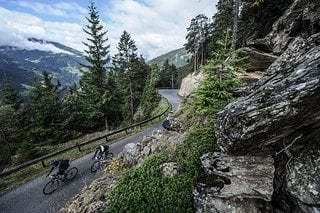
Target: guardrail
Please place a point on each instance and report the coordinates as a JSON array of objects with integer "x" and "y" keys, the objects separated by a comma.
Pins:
[{"x": 78, "y": 145}]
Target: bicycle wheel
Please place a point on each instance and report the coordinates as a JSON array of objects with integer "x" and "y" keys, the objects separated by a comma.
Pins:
[
  {"x": 50, "y": 187},
  {"x": 96, "y": 166},
  {"x": 71, "y": 173}
]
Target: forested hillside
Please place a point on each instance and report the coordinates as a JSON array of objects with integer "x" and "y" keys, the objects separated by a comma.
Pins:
[{"x": 18, "y": 64}]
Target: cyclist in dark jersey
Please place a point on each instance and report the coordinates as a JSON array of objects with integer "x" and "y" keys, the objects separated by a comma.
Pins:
[
  {"x": 100, "y": 151},
  {"x": 62, "y": 166}
]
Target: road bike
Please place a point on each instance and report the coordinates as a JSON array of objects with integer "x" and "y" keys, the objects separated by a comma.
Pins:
[
  {"x": 101, "y": 162},
  {"x": 53, "y": 184}
]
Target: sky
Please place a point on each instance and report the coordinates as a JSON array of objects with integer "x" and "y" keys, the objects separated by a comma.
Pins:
[{"x": 156, "y": 26}]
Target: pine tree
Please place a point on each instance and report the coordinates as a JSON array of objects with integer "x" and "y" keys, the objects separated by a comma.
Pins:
[
  {"x": 150, "y": 96},
  {"x": 197, "y": 39},
  {"x": 218, "y": 88},
  {"x": 11, "y": 118},
  {"x": 168, "y": 75},
  {"x": 44, "y": 111},
  {"x": 131, "y": 72},
  {"x": 94, "y": 93},
  {"x": 221, "y": 22}
]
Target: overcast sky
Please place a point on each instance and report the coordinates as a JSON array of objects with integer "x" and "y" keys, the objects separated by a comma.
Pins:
[{"x": 157, "y": 26}]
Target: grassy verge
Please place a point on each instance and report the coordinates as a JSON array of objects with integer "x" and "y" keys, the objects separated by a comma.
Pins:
[{"x": 25, "y": 175}]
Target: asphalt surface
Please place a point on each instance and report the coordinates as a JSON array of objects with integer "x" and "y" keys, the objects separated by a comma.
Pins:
[{"x": 29, "y": 198}]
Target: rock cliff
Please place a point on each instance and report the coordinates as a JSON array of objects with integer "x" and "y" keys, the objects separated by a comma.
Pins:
[{"x": 280, "y": 116}]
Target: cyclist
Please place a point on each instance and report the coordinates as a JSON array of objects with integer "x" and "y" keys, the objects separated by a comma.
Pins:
[
  {"x": 101, "y": 151},
  {"x": 61, "y": 165}
]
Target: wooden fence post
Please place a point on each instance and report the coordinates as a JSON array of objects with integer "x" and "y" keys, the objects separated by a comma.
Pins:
[
  {"x": 43, "y": 164},
  {"x": 79, "y": 148}
]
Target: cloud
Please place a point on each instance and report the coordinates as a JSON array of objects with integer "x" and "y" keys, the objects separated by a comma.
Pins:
[
  {"x": 60, "y": 9},
  {"x": 157, "y": 26},
  {"x": 15, "y": 32}
]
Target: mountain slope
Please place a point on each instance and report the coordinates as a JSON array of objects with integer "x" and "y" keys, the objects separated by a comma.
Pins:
[
  {"x": 178, "y": 57},
  {"x": 18, "y": 64}
]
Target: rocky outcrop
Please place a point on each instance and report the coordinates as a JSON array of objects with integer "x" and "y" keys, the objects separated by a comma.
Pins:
[
  {"x": 301, "y": 19},
  {"x": 190, "y": 83},
  {"x": 281, "y": 117},
  {"x": 242, "y": 183},
  {"x": 93, "y": 199},
  {"x": 284, "y": 103},
  {"x": 134, "y": 154},
  {"x": 303, "y": 180},
  {"x": 257, "y": 60}
]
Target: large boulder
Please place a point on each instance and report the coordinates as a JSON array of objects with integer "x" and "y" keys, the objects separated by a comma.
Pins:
[
  {"x": 130, "y": 154},
  {"x": 283, "y": 104},
  {"x": 242, "y": 183},
  {"x": 190, "y": 83}
]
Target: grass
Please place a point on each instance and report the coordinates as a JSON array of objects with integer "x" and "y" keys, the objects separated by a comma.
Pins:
[{"x": 25, "y": 175}]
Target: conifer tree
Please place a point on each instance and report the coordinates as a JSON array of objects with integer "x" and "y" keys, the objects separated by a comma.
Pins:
[
  {"x": 44, "y": 111},
  {"x": 197, "y": 39},
  {"x": 150, "y": 96},
  {"x": 218, "y": 88},
  {"x": 11, "y": 117},
  {"x": 93, "y": 82},
  {"x": 131, "y": 72}
]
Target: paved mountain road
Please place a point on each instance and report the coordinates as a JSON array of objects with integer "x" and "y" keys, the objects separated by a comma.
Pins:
[{"x": 29, "y": 198}]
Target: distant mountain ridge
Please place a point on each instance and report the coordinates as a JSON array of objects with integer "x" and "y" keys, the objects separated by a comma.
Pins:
[
  {"x": 178, "y": 57},
  {"x": 17, "y": 64}
]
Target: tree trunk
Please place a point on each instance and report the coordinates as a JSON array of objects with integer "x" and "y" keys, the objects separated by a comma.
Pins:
[
  {"x": 131, "y": 98},
  {"x": 6, "y": 139},
  {"x": 235, "y": 23}
]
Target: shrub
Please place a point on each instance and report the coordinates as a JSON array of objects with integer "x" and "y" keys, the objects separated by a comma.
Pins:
[{"x": 144, "y": 189}]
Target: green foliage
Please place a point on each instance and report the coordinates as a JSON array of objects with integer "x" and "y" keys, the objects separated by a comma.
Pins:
[
  {"x": 218, "y": 88},
  {"x": 94, "y": 94},
  {"x": 130, "y": 73},
  {"x": 145, "y": 190},
  {"x": 44, "y": 112},
  {"x": 28, "y": 151},
  {"x": 221, "y": 21},
  {"x": 150, "y": 96},
  {"x": 198, "y": 39},
  {"x": 168, "y": 75}
]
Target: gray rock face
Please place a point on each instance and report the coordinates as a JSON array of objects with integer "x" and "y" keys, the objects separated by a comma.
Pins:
[
  {"x": 301, "y": 19},
  {"x": 303, "y": 179},
  {"x": 246, "y": 182},
  {"x": 284, "y": 103},
  {"x": 258, "y": 60},
  {"x": 130, "y": 154},
  {"x": 190, "y": 83},
  {"x": 248, "y": 176}
]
